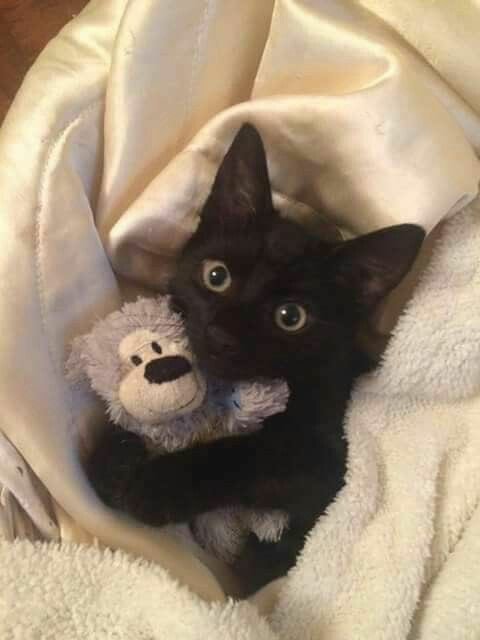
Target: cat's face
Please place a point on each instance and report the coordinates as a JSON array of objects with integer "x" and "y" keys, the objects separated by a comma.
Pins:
[{"x": 261, "y": 297}]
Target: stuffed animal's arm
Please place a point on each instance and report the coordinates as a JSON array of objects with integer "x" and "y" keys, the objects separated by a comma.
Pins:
[
  {"x": 223, "y": 532},
  {"x": 250, "y": 403}
]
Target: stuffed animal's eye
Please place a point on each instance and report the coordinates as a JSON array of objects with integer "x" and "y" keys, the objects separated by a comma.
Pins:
[
  {"x": 156, "y": 347},
  {"x": 216, "y": 275},
  {"x": 290, "y": 317},
  {"x": 136, "y": 360}
]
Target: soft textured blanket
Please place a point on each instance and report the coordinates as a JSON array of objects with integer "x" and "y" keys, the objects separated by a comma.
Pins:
[
  {"x": 83, "y": 593},
  {"x": 105, "y": 157},
  {"x": 398, "y": 554}
]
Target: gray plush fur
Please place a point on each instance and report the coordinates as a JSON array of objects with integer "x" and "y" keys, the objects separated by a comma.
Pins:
[
  {"x": 94, "y": 357},
  {"x": 102, "y": 359}
]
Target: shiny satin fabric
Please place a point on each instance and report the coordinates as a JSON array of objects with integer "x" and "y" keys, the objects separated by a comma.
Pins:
[{"x": 110, "y": 148}]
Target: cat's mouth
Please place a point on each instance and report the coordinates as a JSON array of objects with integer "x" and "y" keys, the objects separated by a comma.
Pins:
[
  {"x": 217, "y": 366},
  {"x": 233, "y": 369},
  {"x": 237, "y": 366}
]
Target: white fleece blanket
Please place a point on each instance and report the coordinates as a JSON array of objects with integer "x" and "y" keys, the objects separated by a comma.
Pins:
[
  {"x": 105, "y": 159},
  {"x": 82, "y": 593},
  {"x": 398, "y": 554}
]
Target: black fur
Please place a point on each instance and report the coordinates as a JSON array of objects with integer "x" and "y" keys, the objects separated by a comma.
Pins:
[{"x": 297, "y": 461}]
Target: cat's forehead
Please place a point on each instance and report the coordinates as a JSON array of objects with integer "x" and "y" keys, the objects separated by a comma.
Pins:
[
  {"x": 226, "y": 242},
  {"x": 264, "y": 261},
  {"x": 286, "y": 242},
  {"x": 281, "y": 243},
  {"x": 302, "y": 276}
]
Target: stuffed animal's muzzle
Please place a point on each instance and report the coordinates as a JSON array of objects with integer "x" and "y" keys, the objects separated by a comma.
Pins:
[{"x": 161, "y": 380}]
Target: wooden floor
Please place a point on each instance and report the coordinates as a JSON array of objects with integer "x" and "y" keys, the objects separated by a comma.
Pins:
[{"x": 25, "y": 28}]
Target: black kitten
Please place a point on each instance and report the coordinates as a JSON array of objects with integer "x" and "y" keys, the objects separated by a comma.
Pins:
[{"x": 261, "y": 297}]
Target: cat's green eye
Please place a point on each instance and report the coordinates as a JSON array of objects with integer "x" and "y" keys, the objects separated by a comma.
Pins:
[
  {"x": 290, "y": 317},
  {"x": 216, "y": 276}
]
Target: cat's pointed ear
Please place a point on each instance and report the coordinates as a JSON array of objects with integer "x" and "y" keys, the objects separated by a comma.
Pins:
[
  {"x": 369, "y": 267},
  {"x": 241, "y": 187}
]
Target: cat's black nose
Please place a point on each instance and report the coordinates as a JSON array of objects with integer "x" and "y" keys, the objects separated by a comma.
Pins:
[
  {"x": 166, "y": 369},
  {"x": 220, "y": 341}
]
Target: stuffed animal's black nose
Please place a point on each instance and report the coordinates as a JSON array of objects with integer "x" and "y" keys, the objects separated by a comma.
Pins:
[
  {"x": 166, "y": 369},
  {"x": 221, "y": 341}
]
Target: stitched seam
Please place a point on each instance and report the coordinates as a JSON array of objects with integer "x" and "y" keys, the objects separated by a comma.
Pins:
[{"x": 38, "y": 261}]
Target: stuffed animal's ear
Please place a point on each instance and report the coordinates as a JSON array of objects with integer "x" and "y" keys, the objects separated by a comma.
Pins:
[
  {"x": 76, "y": 366},
  {"x": 241, "y": 188},
  {"x": 370, "y": 266}
]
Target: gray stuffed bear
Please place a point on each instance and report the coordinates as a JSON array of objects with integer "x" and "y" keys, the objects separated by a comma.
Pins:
[{"x": 139, "y": 361}]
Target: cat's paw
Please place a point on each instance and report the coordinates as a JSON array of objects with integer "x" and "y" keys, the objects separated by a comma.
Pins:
[
  {"x": 161, "y": 490},
  {"x": 113, "y": 464}
]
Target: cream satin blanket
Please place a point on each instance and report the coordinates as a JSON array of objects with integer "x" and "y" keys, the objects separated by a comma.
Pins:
[{"x": 370, "y": 112}]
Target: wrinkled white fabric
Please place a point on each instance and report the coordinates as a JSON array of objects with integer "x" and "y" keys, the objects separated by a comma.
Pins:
[
  {"x": 19, "y": 495},
  {"x": 108, "y": 153}
]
